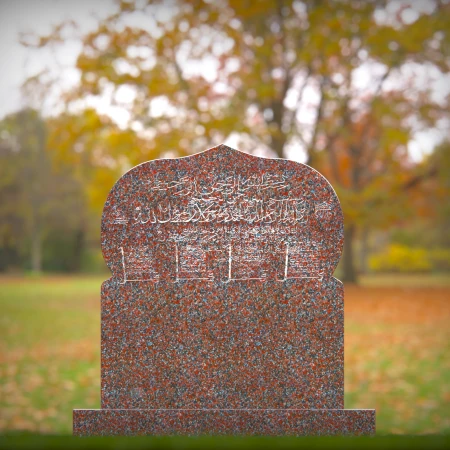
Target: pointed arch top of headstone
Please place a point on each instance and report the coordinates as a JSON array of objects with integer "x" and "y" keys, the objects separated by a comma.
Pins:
[{"x": 273, "y": 218}]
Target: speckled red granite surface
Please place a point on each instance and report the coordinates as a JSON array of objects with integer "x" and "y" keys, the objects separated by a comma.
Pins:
[
  {"x": 297, "y": 422},
  {"x": 222, "y": 315}
]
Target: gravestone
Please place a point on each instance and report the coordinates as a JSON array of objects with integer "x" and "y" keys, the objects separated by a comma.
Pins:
[{"x": 222, "y": 315}]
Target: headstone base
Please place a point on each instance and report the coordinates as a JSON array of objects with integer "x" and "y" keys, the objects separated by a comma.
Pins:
[{"x": 275, "y": 422}]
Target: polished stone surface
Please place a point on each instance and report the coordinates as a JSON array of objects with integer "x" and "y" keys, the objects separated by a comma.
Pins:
[
  {"x": 222, "y": 299},
  {"x": 244, "y": 345},
  {"x": 282, "y": 422}
]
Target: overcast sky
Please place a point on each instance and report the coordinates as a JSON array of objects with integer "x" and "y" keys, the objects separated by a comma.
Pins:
[{"x": 39, "y": 16}]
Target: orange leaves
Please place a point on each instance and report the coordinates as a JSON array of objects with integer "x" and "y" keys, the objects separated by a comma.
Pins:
[
  {"x": 395, "y": 305},
  {"x": 396, "y": 353}
]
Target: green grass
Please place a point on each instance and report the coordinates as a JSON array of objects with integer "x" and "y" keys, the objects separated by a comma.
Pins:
[
  {"x": 50, "y": 338},
  {"x": 46, "y": 310},
  {"x": 406, "y": 280},
  {"x": 396, "y": 347},
  {"x": 208, "y": 442}
]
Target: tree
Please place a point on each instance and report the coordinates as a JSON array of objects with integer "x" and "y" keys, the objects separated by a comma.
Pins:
[
  {"x": 433, "y": 199},
  {"x": 276, "y": 73},
  {"x": 37, "y": 199},
  {"x": 97, "y": 151},
  {"x": 373, "y": 176}
]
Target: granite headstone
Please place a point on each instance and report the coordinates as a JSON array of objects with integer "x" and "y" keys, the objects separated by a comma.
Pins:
[{"x": 222, "y": 315}]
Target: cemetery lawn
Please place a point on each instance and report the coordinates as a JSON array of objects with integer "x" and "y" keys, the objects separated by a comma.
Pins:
[{"x": 397, "y": 352}]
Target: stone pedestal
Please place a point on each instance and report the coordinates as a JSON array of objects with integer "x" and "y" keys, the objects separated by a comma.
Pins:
[{"x": 275, "y": 422}]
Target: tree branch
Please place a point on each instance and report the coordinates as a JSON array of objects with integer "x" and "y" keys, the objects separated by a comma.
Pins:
[
  {"x": 320, "y": 107},
  {"x": 416, "y": 180},
  {"x": 378, "y": 89}
]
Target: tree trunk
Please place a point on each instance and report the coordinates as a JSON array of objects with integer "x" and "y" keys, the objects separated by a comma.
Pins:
[
  {"x": 36, "y": 250},
  {"x": 277, "y": 145},
  {"x": 364, "y": 251},
  {"x": 349, "y": 275},
  {"x": 77, "y": 256},
  {"x": 278, "y": 137}
]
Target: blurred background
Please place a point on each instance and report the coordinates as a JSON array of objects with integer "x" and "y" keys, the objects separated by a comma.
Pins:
[{"x": 358, "y": 90}]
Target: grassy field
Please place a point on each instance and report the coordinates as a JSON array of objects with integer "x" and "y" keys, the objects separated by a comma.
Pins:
[{"x": 397, "y": 352}]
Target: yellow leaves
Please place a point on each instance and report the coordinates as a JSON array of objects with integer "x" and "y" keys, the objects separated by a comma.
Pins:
[
  {"x": 99, "y": 186},
  {"x": 353, "y": 205},
  {"x": 97, "y": 150},
  {"x": 401, "y": 258},
  {"x": 127, "y": 6},
  {"x": 393, "y": 137},
  {"x": 251, "y": 9},
  {"x": 86, "y": 64}
]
